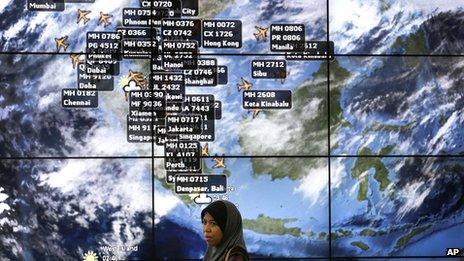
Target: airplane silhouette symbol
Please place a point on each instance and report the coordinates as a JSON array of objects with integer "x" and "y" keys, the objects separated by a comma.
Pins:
[
  {"x": 75, "y": 59},
  {"x": 82, "y": 16},
  {"x": 244, "y": 85},
  {"x": 261, "y": 33},
  {"x": 104, "y": 19},
  {"x": 61, "y": 43}
]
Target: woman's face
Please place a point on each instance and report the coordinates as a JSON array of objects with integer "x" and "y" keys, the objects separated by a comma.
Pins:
[{"x": 211, "y": 230}]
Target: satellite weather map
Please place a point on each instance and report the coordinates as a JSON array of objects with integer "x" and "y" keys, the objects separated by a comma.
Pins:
[{"x": 334, "y": 128}]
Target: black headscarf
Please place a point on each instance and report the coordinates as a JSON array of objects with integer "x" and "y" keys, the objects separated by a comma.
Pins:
[{"x": 229, "y": 220}]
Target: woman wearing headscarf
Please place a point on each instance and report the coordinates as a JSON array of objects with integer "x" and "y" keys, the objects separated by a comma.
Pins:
[{"x": 222, "y": 228}]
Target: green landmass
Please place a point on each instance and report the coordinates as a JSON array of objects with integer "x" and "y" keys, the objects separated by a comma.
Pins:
[
  {"x": 363, "y": 188},
  {"x": 414, "y": 43},
  {"x": 186, "y": 199},
  {"x": 334, "y": 236},
  {"x": 292, "y": 168},
  {"x": 386, "y": 150},
  {"x": 346, "y": 123},
  {"x": 376, "y": 127},
  {"x": 322, "y": 236},
  {"x": 362, "y": 165},
  {"x": 367, "y": 232},
  {"x": 383, "y": 151},
  {"x": 360, "y": 245},
  {"x": 312, "y": 139},
  {"x": 340, "y": 233},
  {"x": 338, "y": 75},
  {"x": 364, "y": 151},
  {"x": 208, "y": 9},
  {"x": 412, "y": 233},
  {"x": 275, "y": 226},
  {"x": 345, "y": 233}
]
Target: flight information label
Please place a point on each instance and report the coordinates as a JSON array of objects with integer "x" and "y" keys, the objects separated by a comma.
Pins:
[
  {"x": 136, "y": 33},
  {"x": 182, "y": 149},
  {"x": 103, "y": 64},
  {"x": 144, "y": 17},
  {"x": 173, "y": 107},
  {"x": 157, "y": 62},
  {"x": 138, "y": 43},
  {"x": 45, "y": 5},
  {"x": 161, "y": 137},
  {"x": 184, "y": 124},
  {"x": 172, "y": 83},
  {"x": 287, "y": 37},
  {"x": 145, "y": 103},
  {"x": 72, "y": 98},
  {"x": 99, "y": 82},
  {"x": 190, "y": 7},
  {"x": 171, "y": 175},
  {"x": 181, "y": 30},
  {"x": 278, "y": 99},
  {"x": 103, "y": 53},
  {"x": 222, "y": 33},
  {"x": 174, "y": 6},
  {"x": 205, "y": 75},
  {"x": 190, "y": 184},
  {"x": 141, "y": 129},
  {"x": 180, "y": 55},
  {"x": 182, "y": 165},
  {"x": 185, "y": 165},
  {"x": 314, "y": 50},
  {"x": 182, "y": 156},
  {"x": 103, "y": 42},
  {"x": 202, "y": 104},
  {"x": 138, "y": 48},
  {"x": 269, "y": 69}
]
